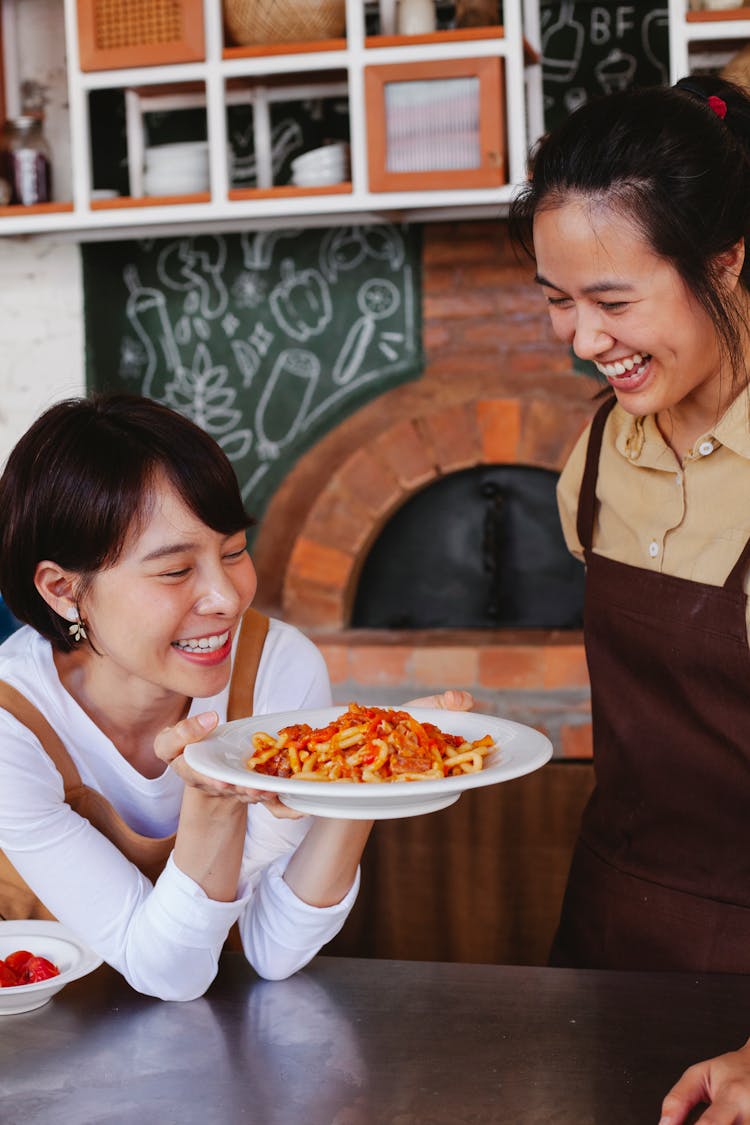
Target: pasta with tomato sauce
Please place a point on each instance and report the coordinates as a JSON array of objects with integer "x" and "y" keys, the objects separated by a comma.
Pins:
[{"x": 367, "y": 744}]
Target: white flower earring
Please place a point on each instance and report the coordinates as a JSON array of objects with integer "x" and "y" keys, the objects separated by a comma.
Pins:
[{"x": 77, "y": 630}]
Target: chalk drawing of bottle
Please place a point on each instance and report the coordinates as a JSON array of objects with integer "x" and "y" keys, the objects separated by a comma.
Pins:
[
  {"x": 146, "y": 309},
  {"x": 292, "y": 382},
  {"x": 562, "y": 45},
  {"x": 654, "y": 36}
]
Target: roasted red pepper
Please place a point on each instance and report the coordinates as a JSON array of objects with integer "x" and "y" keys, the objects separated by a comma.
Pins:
[
  {"x": 8, "y": 979},
  {"x": 17, "y": 961},
  {"x": 22, "y": 967},
  {"x": 38, "y": 968}
]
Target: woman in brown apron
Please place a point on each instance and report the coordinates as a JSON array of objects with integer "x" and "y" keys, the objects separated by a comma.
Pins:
[
  {"x": 636, "y": 215},
  {"x": 122, "y": 550}
]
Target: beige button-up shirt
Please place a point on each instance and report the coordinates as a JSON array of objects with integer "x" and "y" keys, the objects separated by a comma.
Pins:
[{"x": 690, "y": 520}]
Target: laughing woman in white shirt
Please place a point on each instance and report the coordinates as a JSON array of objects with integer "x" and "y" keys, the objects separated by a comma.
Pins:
[{"x": 123, "y": 553}]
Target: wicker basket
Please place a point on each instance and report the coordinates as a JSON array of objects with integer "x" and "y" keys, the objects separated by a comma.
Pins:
[{"x": 283, "y": 21}]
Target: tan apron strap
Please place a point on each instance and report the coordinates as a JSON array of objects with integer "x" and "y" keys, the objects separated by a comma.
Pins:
[
  {"x": 19, "y": 707},
  {"x": 253, "y": 632},
  {"x": 147, "y": 853}
]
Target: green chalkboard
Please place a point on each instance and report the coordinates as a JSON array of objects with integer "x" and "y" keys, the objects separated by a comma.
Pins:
[
  {"x": 592, "y": 48},
  {"x": 266, "y": 339}
]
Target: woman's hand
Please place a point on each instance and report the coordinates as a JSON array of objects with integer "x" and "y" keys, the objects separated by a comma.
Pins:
[
  {"x": 169, "y": 745},
  {"x": 723, "y": 1081},
  {"x": 453, "y": 700}
]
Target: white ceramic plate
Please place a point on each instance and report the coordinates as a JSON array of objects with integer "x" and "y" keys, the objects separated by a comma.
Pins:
[
  {"x": 58, "y": 945},
  {"x": 519, "y": 750}
]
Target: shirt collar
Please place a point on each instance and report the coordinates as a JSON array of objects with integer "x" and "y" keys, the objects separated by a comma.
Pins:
[
  {"x": 733, "y": 428},
  {"x": 640, "y": 441}
]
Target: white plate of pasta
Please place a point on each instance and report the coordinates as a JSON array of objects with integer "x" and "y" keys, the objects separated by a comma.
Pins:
[{"x": 367, "y": 763}]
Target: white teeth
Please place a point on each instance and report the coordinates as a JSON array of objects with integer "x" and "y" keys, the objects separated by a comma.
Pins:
[
  {"x": 634, "y": 363},
  {"x": 203, "y": 644}
]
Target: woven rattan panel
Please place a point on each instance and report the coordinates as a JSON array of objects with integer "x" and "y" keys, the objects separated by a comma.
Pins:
[
  {"x": 136, "y": 23},
  {"x": 284, "y": 21}
]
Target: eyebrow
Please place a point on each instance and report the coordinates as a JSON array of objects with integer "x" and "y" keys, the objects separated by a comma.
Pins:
[
  {"x": 168, "y": 549},
  {"x": 178, "y": 549},
  {"x": 597, "y": 287}
]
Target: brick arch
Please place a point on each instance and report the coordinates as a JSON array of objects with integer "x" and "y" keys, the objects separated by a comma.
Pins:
[{"x": 373, "y": 482}]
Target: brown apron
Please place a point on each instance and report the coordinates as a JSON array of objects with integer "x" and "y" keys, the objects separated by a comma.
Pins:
[
  {"x": 17, "y": 900},
  {"x": 660, "y": 878}
]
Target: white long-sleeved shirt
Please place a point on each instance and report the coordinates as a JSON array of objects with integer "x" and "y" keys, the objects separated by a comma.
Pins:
[{"x": 165, "y": 938}]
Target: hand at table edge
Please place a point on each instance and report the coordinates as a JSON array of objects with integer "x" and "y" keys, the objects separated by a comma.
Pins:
[
  {"x": 723, "y": 1081},
  {"x": 454, "y": 699}
]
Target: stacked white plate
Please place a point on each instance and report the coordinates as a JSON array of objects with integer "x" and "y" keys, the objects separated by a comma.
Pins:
[
  {"x": 320, "y": 166},
  {"x": 178, "y": 169}
]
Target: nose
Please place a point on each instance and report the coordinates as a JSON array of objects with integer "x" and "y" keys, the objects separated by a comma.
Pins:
[
  {"x": 590, "y": 338},
  {"x": 220, "y": 595}
]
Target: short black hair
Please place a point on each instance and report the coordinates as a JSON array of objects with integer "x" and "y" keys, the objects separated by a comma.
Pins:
[
  {"x": 664, "y": 158},
  {"x": 81, "y": 478}
]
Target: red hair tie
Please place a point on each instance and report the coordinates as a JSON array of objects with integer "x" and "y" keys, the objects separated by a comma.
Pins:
[{"x": 718, "y": 105}]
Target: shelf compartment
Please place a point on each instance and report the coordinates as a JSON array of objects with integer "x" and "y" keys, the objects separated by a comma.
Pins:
[
  {"x": 408, "y": 150},
  {"x": 307, "y": 47},
  {"x": 157, "y": 33},
  {"x": 718, "y": 15},
  {"x": 452, "y": 35},
  {"x": 289, "y": 191},
  {"x": 17, "y": 210},
  {"x": 123, "y": 202}
]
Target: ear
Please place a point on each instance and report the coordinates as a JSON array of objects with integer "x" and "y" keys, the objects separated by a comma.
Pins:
[
  {"x": 58, "y": 588},
  {"x": 730, "y": 264}
]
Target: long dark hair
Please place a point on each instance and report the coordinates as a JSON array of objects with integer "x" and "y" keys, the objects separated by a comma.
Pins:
[
  {"x": 672, "y": 164},
  {"x": 81, "y": 478}
]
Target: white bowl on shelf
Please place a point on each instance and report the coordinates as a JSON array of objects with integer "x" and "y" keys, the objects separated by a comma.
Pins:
[
  {"x": 320, "y": 179},
  {"x": 175, "y": 183},
  {"x": 43, "y": 939},
  {"x": 179, "y": 169},
  {"x": 187, "y": 154},
  {"x": 329, "y": 156}
]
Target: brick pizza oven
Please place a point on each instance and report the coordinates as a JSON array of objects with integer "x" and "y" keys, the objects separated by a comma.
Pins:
[{"x": 497, "y": 390}]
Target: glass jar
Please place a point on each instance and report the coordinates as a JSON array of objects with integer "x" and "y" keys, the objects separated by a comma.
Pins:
[{"x": 25, "y": 163}]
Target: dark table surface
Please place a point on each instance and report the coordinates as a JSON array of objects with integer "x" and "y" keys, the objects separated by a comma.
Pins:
[{"x": 350, "y": 1042}]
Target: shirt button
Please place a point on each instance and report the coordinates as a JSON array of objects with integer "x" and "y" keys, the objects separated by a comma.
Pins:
[
  {"x": 705, "y": 448},
  {"x": 653, "y": 549},
  {"x": 678, "y": 478}
]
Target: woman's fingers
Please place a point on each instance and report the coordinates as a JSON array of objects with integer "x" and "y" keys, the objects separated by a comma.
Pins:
[
  {"x": 723, "y": 1081},
  {"x": 170, "y": 742},
  {"x": 279, "y": 809},
  {"x": 452, "y": 700},
  {"x": 169, "y": 745}
]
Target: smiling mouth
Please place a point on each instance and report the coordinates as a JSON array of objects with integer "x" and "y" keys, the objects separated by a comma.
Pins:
[
  {"x": 628, "y": 367},
  {"x": 203, "y": 644}
]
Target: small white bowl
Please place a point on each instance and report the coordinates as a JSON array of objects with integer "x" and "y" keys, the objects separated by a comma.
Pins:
[
  {"x": 188, "y": 152},
  {"x": 337, "y": 153},
  {"x": 44, "y": 939},
  {"x": 318, "y": 179}
]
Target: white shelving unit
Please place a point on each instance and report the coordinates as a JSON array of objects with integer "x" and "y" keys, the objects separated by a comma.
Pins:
[
  {"x": 226, "y": 209},
  {"x": 704, "y": 37}
]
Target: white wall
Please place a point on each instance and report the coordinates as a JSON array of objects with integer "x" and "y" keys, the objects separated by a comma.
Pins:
[
  {"x": 41, "y": 322},
  {"x": 41, "y": 331}
]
